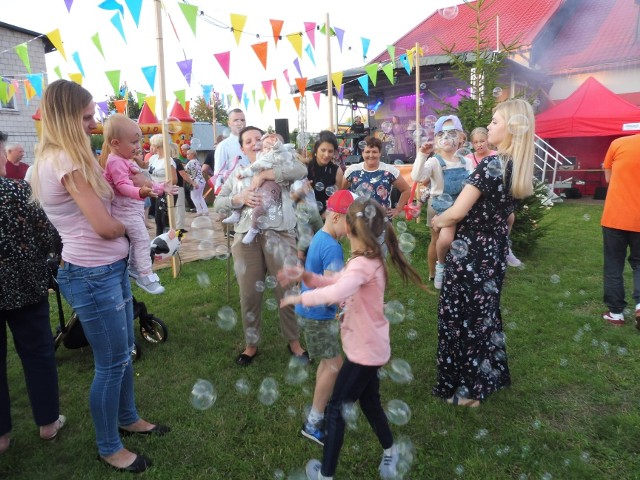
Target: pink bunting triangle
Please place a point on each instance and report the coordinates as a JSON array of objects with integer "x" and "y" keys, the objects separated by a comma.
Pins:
[
  {"x": 286, "y": 76},
  {"x": 268, "y": 87},
  {"x": 310, "y": 28},
  {"x": 224, "y": 59},
  {"x": 316, "y": 97}
]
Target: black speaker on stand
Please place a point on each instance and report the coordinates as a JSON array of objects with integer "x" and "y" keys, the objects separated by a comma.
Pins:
[{"x": 282, "y": 128}]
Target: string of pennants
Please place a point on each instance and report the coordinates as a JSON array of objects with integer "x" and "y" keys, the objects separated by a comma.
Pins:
[{"x": 33, "y": 83}]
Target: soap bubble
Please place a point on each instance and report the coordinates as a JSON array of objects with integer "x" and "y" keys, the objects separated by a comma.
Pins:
[
  {"x": 406, "y": 455},
  {"x": 203, "y": 279},
  {"x": 398, "y": 412},
  {"x": 449, "y": 13},
  {"x": 370, "y": 211},
  {"x": 555, "y": 279},
  {"x": 350, "y": 415},
  {"x": 412, "y": 334},
  {"x": 386, "y": 127},
  {"x": 203, "y": 394},
  {"x": 268, "y": 393},
  {"x": 173, "y": 125},
  {"x": 270, "y": 282},
  {"x": 459, "y": 248},
  {"x": 399, "y": 371},
  {"x": 495, "y": 168},
  {"x": 251, "y": 335},
  {"x": 518, "y": 125},
  {"x": 401, "y": 227},
  {"x": 362, "y": 145},
  {"x": 423, "y": 86},
  {"x": 394, "y": 311},
  {"x": 242, "y": 386},
  {"x": 330, "y": 190},
  {"x": 497, "y": 92},
  {"x": 201, "y": 222},
  {"x": 260, "y": 286},
  {"x": 271, "y": 304},
  {"x": 195, "y": 143},
  {"x": 297, "y": 371},
  {"x": 490, "y": 287},
  {"x": 227, "y": 318},
  {"x": 406, "y": 242},
  {"x": 319, "y": 186}
]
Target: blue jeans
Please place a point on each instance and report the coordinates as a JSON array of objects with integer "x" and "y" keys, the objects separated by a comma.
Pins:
[
  {"x": 354, "y": 382},
  {"x": 616, "y": 244},
  {"x": 34, "y": 344},
  {"x": 101, "y": 296}
]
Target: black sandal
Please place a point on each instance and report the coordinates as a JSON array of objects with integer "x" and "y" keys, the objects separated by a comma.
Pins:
[{"x": 244, "y": 360}]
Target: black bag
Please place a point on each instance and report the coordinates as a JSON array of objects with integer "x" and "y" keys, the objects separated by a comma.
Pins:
[{"x": 74, "y": 336}]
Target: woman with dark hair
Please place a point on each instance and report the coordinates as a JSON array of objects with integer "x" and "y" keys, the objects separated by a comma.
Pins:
[
  {"x": 323, "y": 172},
  {"x": 27, "y": 240},
  {"x": 273, "y": 247}
]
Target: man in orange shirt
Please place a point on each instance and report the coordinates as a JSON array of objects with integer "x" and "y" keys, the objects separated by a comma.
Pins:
[{"x": 621, "y": 226}]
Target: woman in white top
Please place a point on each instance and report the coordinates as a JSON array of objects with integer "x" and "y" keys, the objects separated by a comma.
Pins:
[{"x": 157, "y": 171}]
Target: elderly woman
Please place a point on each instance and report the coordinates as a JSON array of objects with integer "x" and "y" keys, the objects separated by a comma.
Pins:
[
  {"x": 372, "y": 178},
  {"x": 27, "y": 239},
  {"x": 157, "y": 171},
  {"x": 271, "y": 248}
]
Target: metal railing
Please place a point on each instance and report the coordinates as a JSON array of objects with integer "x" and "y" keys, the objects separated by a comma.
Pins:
[{"x": 548, "y": 161}]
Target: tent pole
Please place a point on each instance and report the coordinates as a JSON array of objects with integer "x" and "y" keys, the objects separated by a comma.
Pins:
[{"x": 329, "y": 87}]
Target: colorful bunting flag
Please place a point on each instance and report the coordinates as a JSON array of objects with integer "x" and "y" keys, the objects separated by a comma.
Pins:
[
  {"x": 261, "y": 103},
  {"x": 76, "y": 77},
  {"x": 391, "y": 50},
  {"x": 103, "y": 107},
  {"x": 30, "y": 92},
  {"x": 365, "y": 47},
  {"x": 302, "y": 85},
  {"x": 121, "y": 106},
  {"x": 388, "y": 71},
  {"x": 286, "y": 76},
  {"x": 58, "y": 72},
  {"x": 114, "y": 79},
  {"x": 364, "y": 83},
  {"x": 36, "y": 82},
  {"x": 310, "y": 28},
  {"x": 135, "y": 7},
  {"x": 275, "y": 87},
  {"x": 96, "y": 41},
  {"x": 11, "y": 91},
  {"x": 276, "y": 28},
  {"x": 116, "y": 21},
  {"x": 4, "y": 86},
  {"x": 309, "y": 52},
  {"x": 267, "y": 86},
  {"x": 190, "y": 13},
  {"x": 296, "y": 42},
  {"x": 405, "y": 63},
  {"x": 206, "y": 93},
  {"x": 68, "y": 4},
  {"x": 181, "y": 95},
  {"x": 112, "y": 5},
  {"x": 185, "y": 67},
  {"x": 277, "y": 102},
  {"x": 76, "y": 59},
  {"x": 260, "y": 50},
  {"x": 296, "y": 100},
  {"x": 316, "y": 97},
  {"x": 336, "y": 78},
  {"x": 224, "y": 59},
  {"x": 23, "y": 52},
  {"x": 237, "y": 87},
  {"x": 296, "y": 63},
  {"x": 237, "y": 25},
  {"x": 150, "y": 75},
  {"x": 151, "y": 103},
  {"x": 141, "y": 97},
  {"x": 372, "y": 71},
  {"x": 340, "y": 92},
  {"x": 340, "y": 35},
  {"x": 246, "y": 101},
  {"x": 54, "y": 36}
]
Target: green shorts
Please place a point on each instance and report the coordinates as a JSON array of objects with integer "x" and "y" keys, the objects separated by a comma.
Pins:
[{"x": 322, "y": 337}]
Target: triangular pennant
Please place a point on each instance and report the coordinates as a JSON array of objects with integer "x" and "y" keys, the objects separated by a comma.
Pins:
[
  {"x": 151, "y": 102},
  {"x": 76, "y": 77},
  {"x": 135, "y": 7},
  {"x": 121, "y": 106},
  {"x": 185, "y": 68},
  {"x": 391, "y": 49},
  {"x": 54, "y": 36},
  {"x": 275, "y": 87},
  {"x": 261, "y": 103},
  {"x": 96, "y": 41},
  {"x": 286, "y": 76},
  {"x": 116, "y": 21},
  {"x": 237, "y": 87},
  {"x": 410, "y": 57},
  {"x": 316, "y": 97},
  {"x": 150, "y": 75},
  {"x": 112, "y": 5},
  {"x": 336, "y": 78},
  {"x": 323, "y": 30},
  {"x": 372, "y": 71},
  {"x": 4, "y": 86},
  {"x": 277, "y": 102},
  {"x": 181, "y": 95},
  {"x": 309, "y": 52},
  {"x": 364, "y": 83},
  {"x": 30, "y": 92},
  {"x": 141, "y": 97},
  {"x": 206, "y": 93},
  {"x": 23, "y": 52},
  {"x": 296, "y": 100},
  {"x": 267, "y": 86},
  {"x": 76, "y": 59},
  {"x": 114, "y": 80},
  {"x": 57, "y": 71},
  {"x": 365, "y": 47},
  {"x": 68, "y": 4},
  {"x": 103, "y": 107},
  {"x": 18, "y": 90},
  {"x": 340, "y": 35},
  {"x": 190, "y": 13},
  {"x": 276, "y": 28},
  {"x": 246, "y": 101},
  {"x": 229, "y": 98},
  {"x": 253, "y": 96},
  {"x": 237, "y": 25},
  {"x": 310, "y": 28},
  {"x": 340, "y": 92},
  {"x": 405, "y": 63},
  {"x": 36, "y": 81},
  {"x": 261, "y": 51},
  {"x": 302, "y": 85},
  {"x": 224, "y": 59},
  {"x": 11, "y": 91},
  {"x": 296, "y": 63},
  {"x": 296, "y": 42},
  {"x": 388, "y": 71}
]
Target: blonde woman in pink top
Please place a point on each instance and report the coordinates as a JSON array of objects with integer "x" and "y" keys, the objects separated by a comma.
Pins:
[{"x": 364, "y": 329}]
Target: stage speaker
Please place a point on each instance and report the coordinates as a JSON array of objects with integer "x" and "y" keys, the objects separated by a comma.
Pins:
[
  {"x": 572, "y": 193},
  {"x": 600, "y": 193},
  {"x": 282, "y": 128},
  {"x": 351, "y": 159}
]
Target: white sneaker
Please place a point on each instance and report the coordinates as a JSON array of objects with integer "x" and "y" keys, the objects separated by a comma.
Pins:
[
  {"x": 312, "y": 470},
  {"x": 437, "y": 281},
  {"x": 512, "y": 260},
  {"x": 250, "y": 235},
  {"x": 233, "y": 218},
  {"x": 151, "y": 284},
  {"x": 389, "y": 463}
]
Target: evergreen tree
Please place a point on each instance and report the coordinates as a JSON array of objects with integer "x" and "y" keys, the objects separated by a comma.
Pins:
[{"x": 201, "y": 111}]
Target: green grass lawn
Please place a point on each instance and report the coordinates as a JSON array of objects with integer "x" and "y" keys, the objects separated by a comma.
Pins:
[{"x": 571, "y": 412}]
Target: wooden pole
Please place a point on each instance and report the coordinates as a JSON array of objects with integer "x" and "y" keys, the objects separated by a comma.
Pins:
[
  {"x": 329, "y": 82},
  {"x": 165, "y": 130},
  {"x": 417, "y": 60}
]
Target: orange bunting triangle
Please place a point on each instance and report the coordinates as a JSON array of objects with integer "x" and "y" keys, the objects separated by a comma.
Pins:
[
  {"x": 276, "y": 27},
  {"x": 296, "y": 100},
  {"x": 120, "y": 105},
  {"x": 261, "y": 51},
  {"x": 302, "y": 85}
]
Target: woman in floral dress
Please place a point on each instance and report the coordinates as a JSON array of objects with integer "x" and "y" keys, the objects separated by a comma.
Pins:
[{"x": 471, "y": 358}]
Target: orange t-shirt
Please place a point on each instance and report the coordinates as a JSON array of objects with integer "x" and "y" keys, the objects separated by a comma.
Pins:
[{"x": 622, "y": 206}]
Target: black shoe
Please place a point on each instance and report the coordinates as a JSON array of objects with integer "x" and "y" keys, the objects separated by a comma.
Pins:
[
  {"x": 303, "y": 357},
  {"x": 158, "y": 430},
  {"x": 244, "y": 360},
  {"x": 139, "y": 465}
]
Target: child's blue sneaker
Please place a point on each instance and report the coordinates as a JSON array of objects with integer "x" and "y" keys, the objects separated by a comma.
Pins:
[{"x": 312, "y": 432}]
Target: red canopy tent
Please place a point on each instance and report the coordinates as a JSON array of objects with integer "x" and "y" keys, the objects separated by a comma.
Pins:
[{"x": 591, "y": 111}]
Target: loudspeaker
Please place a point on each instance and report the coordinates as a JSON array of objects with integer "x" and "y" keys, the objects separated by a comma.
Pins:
[
  {"x": 282, "y": 128},
  {"x": 572, "y": 193},
  {"x": 600, "y": 193}
]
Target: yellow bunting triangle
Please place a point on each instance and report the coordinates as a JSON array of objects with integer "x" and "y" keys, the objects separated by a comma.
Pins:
[
  {"x": 76, "y": 77},
  {"x": 277, "y": 102},
  {"x": 336, "y": 78},
  {"x": 55, "y": 38},
  {"x": 296, "y": 42},
  {"x": 237, "y": 24},
  {"x": 151, "y": 101}
]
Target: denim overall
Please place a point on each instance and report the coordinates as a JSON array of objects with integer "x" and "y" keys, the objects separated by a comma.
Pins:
[{"x": 454, "y": 179}]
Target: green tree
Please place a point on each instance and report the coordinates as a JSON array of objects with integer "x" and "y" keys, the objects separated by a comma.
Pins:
[
  {"x": 201, "y": 111},
  {"x": 133, "y": 110}
]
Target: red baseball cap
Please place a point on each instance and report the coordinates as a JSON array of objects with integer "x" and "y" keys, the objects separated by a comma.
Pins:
[{"x": 340, "y": 201}]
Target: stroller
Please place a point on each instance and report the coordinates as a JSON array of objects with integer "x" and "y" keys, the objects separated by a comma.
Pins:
[{"x": 72, "y": 336}]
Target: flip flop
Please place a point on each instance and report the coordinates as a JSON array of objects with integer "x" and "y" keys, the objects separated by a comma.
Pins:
[
  {"x": 244, "y": 360},
  {"x": 59, "y": 424}
]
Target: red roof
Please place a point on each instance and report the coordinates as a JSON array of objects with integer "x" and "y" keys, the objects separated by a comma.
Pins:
[
  {"x": 597, "y": 33},
  {"x": 180, "y": 113},
  {"x": 146, "y": 116},
  {"x": 591, "y": 111},
  {"x": 521, "y": 20}
]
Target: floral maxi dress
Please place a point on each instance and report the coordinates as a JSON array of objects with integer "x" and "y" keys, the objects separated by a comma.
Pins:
[{"x": 471, "y": 357}]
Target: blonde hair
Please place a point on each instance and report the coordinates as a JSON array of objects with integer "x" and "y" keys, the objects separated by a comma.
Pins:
[
  {"x": 113, "y": 129},
  {"x": 518, "y": 144},
  {"x": 62, "y": 107},
  {"x": 479, "y": 131},
  {"x": 156, "y": 140}
]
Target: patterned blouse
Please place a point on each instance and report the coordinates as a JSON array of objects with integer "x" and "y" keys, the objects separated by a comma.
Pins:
[{"x": 26, "y": 239}]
